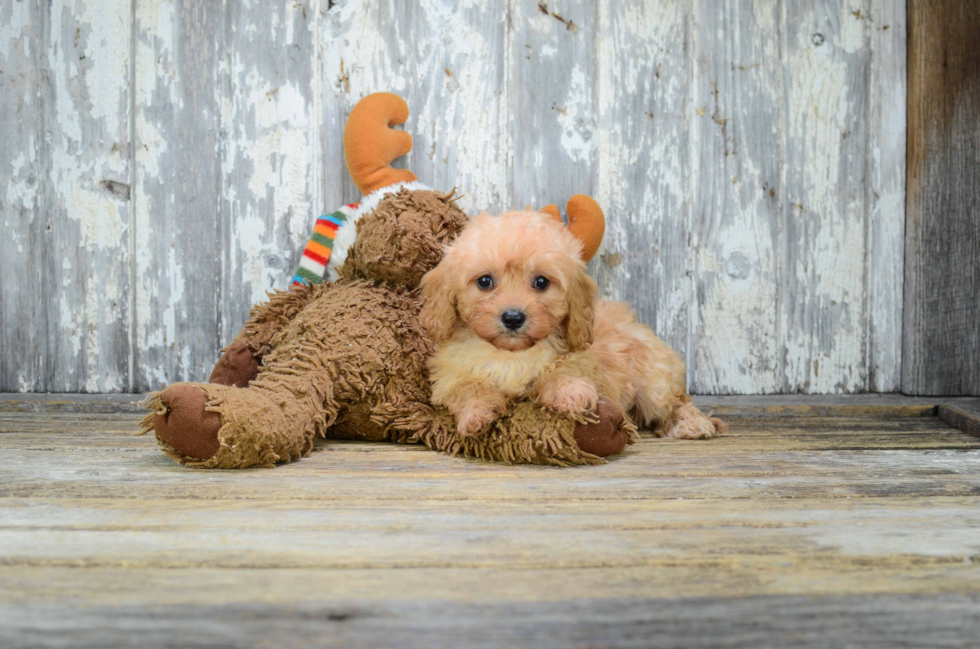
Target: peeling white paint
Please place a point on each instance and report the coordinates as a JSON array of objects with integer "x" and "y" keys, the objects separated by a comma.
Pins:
[
  {"x": 269, "y": 155},
  {"x": 85, "y": 106},
  {"x": 21, "y": 360},
  {"x": 763, "y": 295},
  {"x": 280, "y": 155},
  {"x": 576, "y": 121},
  {"x": 642, "y": 162},
  {"x": 824, "y": 335},
  {"x": 20, "y": 191},
  {"x": 886, "y": 233},
  {"x": 107, "y": 40},
  {"x": 15, "y": 30},
  {"x": 157, "y": 289}
]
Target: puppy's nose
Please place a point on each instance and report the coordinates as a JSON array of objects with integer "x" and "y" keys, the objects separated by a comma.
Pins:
[{"x": 513, "y": 320}]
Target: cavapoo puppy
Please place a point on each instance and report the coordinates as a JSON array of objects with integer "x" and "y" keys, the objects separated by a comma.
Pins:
[{"x": 513, "y": 312}]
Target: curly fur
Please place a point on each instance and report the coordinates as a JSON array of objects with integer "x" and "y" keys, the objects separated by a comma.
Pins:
[{"x": 570, "y": 347}]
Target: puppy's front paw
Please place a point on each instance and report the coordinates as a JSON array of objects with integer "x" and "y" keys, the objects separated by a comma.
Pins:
[
  {"x": 476, "y": 418},
  {"x": 571, "y": 395}
]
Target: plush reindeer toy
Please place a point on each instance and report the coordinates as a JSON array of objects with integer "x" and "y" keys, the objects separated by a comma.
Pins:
[{"x": 348, "y": 358}]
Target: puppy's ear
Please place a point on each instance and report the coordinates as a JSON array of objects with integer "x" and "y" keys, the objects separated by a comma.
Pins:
[
  {"x": 438, "y": 302},
  {"x": 581, "y": 293}
]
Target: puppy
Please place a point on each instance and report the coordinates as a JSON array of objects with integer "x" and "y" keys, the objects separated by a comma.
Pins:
[{"x": 513, "y": 312}]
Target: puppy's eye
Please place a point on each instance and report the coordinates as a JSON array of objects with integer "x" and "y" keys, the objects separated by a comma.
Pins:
[
  {"x": 485, "y": 282},
  {"x": 541, "y": 283}
]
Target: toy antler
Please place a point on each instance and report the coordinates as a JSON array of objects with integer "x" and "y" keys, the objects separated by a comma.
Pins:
[
  {"x": 370, "y": 144},
  {"x": 585, "y": 221}
]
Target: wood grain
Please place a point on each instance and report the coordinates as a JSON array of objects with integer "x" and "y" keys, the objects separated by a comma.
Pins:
[
  {"x": 739, "y": 130},
  {"x": 963, "y": 415},
  {"x": 178, "y": 238},
  {"x": 438, "y": 535},
  {"x": 824, "y": 245},
  {"x": 553, "y": 100},
  {"x": 66, "y": 269},
  {"x": 872, "y": 621},
  {"x": 788, "y": 529},
  {"x": 23, "y": 308},
  {"x": 885, "y": 188},
  {"x": 86, "y": 97},
  {"x": 762, "y": 459},
  {"x": 268, "y": 151},
  {"x": 643, "y": 97},
  {"x": 447, "y": 62},
  {"x": 941, "y": 344}
]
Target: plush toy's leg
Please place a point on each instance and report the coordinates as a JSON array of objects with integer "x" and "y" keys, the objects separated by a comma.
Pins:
[
  {"x": 181, "y": 420},
  {"x": 348, "y": 349},
  {"x": 533, "y": 435},
  {"x": 339, "y": 351},
  {"x": 217, "y": 426}
]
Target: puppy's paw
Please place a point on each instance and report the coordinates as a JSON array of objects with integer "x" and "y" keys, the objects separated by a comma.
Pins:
[
  {"x": 476, "y": 418},
  {"x": 571, "y": 395},
  {"x": 691, "y": 423}
]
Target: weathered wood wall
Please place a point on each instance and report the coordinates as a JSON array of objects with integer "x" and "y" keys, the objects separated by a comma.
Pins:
[
  {"x": 942, "y": 275},
  {"x": 161, "y": 163}
]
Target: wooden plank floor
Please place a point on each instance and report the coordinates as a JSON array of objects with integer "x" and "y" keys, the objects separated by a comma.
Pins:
[{"x": 801, "y": 526}]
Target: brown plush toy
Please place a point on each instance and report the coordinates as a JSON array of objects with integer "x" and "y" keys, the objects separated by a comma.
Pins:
[{"x": 347, "y": 359}]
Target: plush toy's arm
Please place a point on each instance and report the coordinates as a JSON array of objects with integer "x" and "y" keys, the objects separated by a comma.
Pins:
[
  {"x": 268, "y": 318},
  {"x": 240, "y": 361}
]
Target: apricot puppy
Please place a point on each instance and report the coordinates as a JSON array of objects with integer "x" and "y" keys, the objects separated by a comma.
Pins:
[{"x": 513, "y": 313}]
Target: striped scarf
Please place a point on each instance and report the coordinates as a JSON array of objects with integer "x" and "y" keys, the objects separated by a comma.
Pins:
[{"x": 316, "y": 255}]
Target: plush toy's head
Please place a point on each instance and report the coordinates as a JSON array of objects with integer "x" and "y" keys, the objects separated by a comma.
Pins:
[
  {"x": 403, "y": 237},
  {"x": 398, "y": 231}
]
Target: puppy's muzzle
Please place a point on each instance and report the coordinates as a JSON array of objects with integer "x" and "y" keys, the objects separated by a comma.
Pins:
[{"x": 513, "y": 319}]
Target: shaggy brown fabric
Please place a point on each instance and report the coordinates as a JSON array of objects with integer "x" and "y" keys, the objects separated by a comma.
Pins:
[
  {"x": 268, "y": 318},
  {"x": 348, "y": 359},
  {"x": 237, "y": 366},
  {"x": 402, "y": 239},
  {"x": 527, "y": 434}
]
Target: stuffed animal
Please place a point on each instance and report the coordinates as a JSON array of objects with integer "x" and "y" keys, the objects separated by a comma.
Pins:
[{"x": 347, "y": 358}]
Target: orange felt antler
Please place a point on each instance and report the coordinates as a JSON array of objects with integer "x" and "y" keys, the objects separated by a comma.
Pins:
[
  {"x": 552, "y": 211},
  {"x": 370, "y": 144},
  {"x": 585, "y": 220}
]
